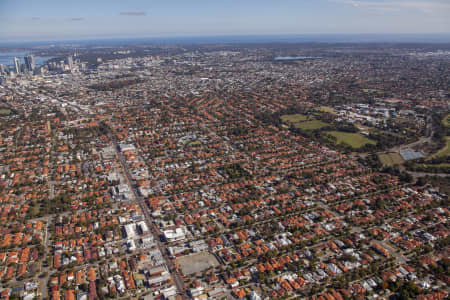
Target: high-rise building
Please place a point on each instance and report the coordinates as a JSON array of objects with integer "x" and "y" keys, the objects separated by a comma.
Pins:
[
  {"x": 37, "y": 71},
  {"x": 29, "y": 62},
  {"x": 16, "y": 65},
  {"x": 70, "y": 62},
  {"x": 2, "y": 69}
]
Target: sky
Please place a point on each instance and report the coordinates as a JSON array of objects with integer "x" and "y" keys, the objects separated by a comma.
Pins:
[{"x": 34, "y": 20}]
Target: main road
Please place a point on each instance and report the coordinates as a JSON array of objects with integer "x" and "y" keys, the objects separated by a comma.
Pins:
[{"x": 148, "y": 219}]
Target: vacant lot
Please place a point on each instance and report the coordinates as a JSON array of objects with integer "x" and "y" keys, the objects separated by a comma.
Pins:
[
  {"x": 390, "y": 159},
  {"x": 310, "y": 125},
  {"x": 197, "y": 263},
  {"x": 294, "y": 118},
  {"x": 355, "y": 140}
]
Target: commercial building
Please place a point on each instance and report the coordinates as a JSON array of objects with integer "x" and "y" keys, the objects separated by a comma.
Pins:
[
  {"x": 29, "y": 62},
  {"x": 16, "y": 65}
]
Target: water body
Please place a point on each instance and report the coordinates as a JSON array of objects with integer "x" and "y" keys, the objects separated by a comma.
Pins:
[
  {"x": 7, "y": 58},
  {"x": 279, "y": 38},
  {"x": 286, "y": 58}
]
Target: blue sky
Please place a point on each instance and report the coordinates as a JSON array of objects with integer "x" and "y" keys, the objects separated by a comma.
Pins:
[{"x": 25, "y": 20}]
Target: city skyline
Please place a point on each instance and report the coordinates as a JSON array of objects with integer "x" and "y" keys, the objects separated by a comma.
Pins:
[{"x": 54, "y": 20}]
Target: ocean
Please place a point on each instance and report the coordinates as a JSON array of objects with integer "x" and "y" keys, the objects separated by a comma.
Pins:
[{"x": 443, "y": 38}]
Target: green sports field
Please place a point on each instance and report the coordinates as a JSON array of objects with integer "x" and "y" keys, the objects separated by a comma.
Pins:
[
  {"x": 294, "y": 118},
  {"x": 311, "y": 125},
  {"x": 355, "y": 140}
]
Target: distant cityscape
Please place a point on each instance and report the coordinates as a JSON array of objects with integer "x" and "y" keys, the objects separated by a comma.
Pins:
[
  {"x": 69, "y": 64},
  {"x": 225, "y": 171}
]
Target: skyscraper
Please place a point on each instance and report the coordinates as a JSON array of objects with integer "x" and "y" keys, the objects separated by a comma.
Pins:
[
  {"x": 29, "y": 62},
  {"x": 70, "y": 62},
  {"x": 16, "y": 65}
]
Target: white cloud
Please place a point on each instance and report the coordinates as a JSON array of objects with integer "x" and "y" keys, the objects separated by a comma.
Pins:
[
  {"x": 425, "y": 6},
  {"x": 133, "y": 13}
]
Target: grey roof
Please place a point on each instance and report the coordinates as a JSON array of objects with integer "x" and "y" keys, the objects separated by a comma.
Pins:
[{"x": 410, "y": 154}]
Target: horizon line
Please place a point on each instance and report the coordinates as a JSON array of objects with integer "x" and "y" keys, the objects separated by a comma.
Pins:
[{"x": 424, "y": 38}]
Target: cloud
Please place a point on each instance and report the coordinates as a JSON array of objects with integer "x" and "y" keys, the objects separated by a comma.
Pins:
[
  {"x": 76, "y": 19},
  {"x": 425, "y": 6},
  {"x": 133, "y": 13}
]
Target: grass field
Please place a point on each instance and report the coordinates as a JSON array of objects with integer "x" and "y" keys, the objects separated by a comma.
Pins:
[
  {"x": 445, "y": 165},
  {"x": 310, "y": 125},
  {"x": 327, "y": 109},
  {"x": 355, "y": 140},
  {"x": 444, "y": 151},
  {"x": 303, "y": 122},
  {"x": 194, "y": 143},
  {"x": 294, "y": 118},
  {"x": 5, "y": 111},
  {"x": 390, "y": 159},
  {"x": 446, "y": 121},
  {"x": 442, "y": 165}
]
